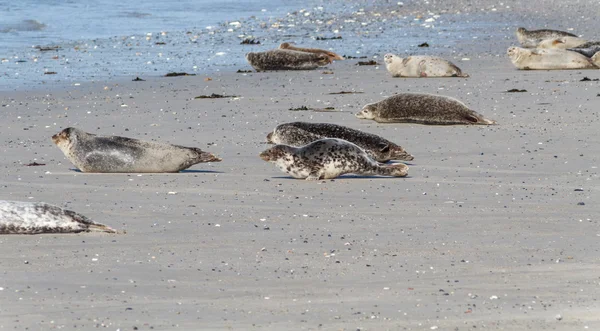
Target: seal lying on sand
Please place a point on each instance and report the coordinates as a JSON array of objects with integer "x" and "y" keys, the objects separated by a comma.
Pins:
[
  {"x": 18, "y": 217},
  {"x": 421, "y": 66},
  {"x": 561, "y": 43},
  {"x": 283, "y": 59},
  {"x": 92, "y": 153},
  {"x": 332, "y": 56},
  {"x": 534, "y": 37},
  {"x": 328, "y": 158},
  {"x": 548, "y": 59},
  {"x": 588, "y": 49},
  {"x": 301, "y": 133},
  {"x": 421, "y": 109}
]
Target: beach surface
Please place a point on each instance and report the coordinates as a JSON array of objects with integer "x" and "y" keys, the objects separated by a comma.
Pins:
[{"x": 495, "y": 228}]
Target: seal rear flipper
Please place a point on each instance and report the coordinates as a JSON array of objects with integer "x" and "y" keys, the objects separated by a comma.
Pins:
[
  {"x": 202, "y": 156},
  {"x": 97, "y": 227},
  {"x": 394, "y": 170}
]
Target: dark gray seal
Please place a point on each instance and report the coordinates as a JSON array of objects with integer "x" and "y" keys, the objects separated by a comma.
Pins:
[
  {"x": 283, "y": 59},
  {"x": 332, "y": 56},
  {"x": 422, "y": 109},
  {"x": 531, "y": 38},
  {"x": 588, "y": 49},
  {"x": 92, "y": 153},
  {"x": 328, "y": 158},
  {"x": 18, "y": 217},
  {"x": 301, "y": 133}
]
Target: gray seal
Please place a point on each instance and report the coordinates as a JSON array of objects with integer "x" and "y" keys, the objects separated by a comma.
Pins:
[
  {"x": 301, "y": 133},
  {"x": 92, "y": 153},
  {"x": 18, "y": 217},
  {"x": 422, "y": 109},
  {"x": 332, "y": 56},
  {"x": 328, "y": 158},
  {"x": 283, "y": 59},
  {"x": 588, "y": 49},
  {"x": 531, "y": 38}
]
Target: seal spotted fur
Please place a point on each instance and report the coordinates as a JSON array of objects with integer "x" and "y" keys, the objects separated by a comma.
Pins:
[
  {"x": 532, "y": 38},
  {"x": 422, "y": 109},
  {"x": 332, "y": 56},
  {"x": 588, "y": 49},
  {"x": 283, "y": 59},
  {"x": 421, "y": 66},
  {"x": 18, "y": 217},
  {"x": 548, "y": 59},
  {"x": 328, "y": 158},
  {"x": 302, "y": 133},
  {"x": 92, "y": 153}
]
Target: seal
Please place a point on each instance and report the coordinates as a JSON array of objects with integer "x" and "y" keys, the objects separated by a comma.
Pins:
[
  {"x": 596, "y": 59},
  {"x": 17, "y": 217},
  {"x": 421, "y": 66},
  {"x": 328, "y": 158},
  {"x": 283, "y": 59},
  {"x": 422, "y": 109},
  {"x": 561, "y": 43},
  {"x": 301, "y": 133},
  {"x": 332, "y": 56},
  {"x": 548, "y": 59},
  {"x": 534, "y": 37},
  {"x": 92, "y": 153},
  {"x": 588, "y": 49}
]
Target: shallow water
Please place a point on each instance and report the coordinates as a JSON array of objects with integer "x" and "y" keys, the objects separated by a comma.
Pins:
[{"x": 102, "y": 40}]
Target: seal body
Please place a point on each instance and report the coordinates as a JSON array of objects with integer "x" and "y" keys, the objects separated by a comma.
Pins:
[
  {"x": 588, "y": 49},
  {"x": 92, "y": 153},
  {"x": 422, "y": 109},
  {"x": 328, "y": 158},
  {"x": 283, "y": 59},
  {"x": 531, "y": 38},
  {"x": 18, "y": 217},
  {"x": 302, "y": 133},
  {"x": 421, "y": 66},
  {"x": 548, "y": 59},
  {"x": 331, "y": 55},
  {"x": 561, "y": 43}
]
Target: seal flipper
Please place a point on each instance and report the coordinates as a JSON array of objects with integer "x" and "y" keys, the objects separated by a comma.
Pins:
[{"x": 394, "y": 170}]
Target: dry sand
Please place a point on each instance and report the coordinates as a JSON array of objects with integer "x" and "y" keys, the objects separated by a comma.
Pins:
[
  {"x": 486, "y": 232},
  {"x": 495, "y": 228}
]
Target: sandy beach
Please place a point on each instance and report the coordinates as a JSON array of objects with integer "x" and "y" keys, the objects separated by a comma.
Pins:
[{"x": 495, "y": 227}]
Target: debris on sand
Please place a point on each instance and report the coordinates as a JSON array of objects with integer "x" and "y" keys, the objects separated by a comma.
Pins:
[
  {"x": 346, "y": 92},
  {"x": 138, "y": 79},
  {"x": 50, "y": 73},
  {"x": 587, "y": 79},
  {"x": 322, "y": 110},
  {"x": 350, "y": 57},
  {"x": 159, "y": 43},
  {"x": 35, "y": 164},
  {"x": 367, "y": 63},
  {"x": 47, "y": 48},
  {"x": 327, "y": 72},
  {"x": 215, "y": 96},
  {"x": 515, "y": 90},
  {"x": 328, "y": 38},
  {"x": 176, "y": 74},
  {"x": 424, "y": 45},
  {"x": 240, "y": 71}
]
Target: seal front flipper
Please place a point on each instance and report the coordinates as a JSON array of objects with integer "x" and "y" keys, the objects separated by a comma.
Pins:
[{"x": 314, "y": 176}]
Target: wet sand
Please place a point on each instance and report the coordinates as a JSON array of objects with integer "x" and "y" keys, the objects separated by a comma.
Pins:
[{"x": 488, "y": 231}]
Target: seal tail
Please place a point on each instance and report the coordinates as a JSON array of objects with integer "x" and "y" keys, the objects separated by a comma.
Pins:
[
  {"x": 97, "y": 227},
  {"x": 394, "y": 170},
  {"x": 202, "y": 156}
]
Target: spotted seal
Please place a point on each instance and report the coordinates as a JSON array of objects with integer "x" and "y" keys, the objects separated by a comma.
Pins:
[
  {"x": 422, "y": 109},
  {"x": 328, "y": 158},
  {"x": 332, "y": 56},
  {"x": 301, "y": 133},
  {"x": 92, "y": 153},
  {"x": 548, "y": 59},
  {"x": 561, "y": 43},
  {"x": 531, "y": 38},
  {"x": 17, "y": 217},
  {"x": 421, "y": 66},
  {"x": 588, "y": 49},
  {"x": 283, "y": 59}
]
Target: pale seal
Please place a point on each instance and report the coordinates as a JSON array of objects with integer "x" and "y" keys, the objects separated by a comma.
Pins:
[
  {"x": 328, "y": 158},
  {"x": 421, "y": 66},
  {"x": 283, "y": 59},
  {"x": 588, "y": 49},
  {"x": 422, "y": 109},
  {"x": 18, "y": 217},
  {"x": 561, "y": 43},
  {"x": 332, "y": 56},
  {"x": 301, "y": 133},
  {"x": 596, "y": 59},
  {"x": 548, "y": 59},
  {"x": 92, "y": 153},
  {"x": 534, "y": 37}
]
